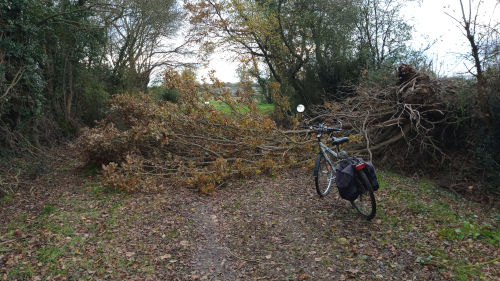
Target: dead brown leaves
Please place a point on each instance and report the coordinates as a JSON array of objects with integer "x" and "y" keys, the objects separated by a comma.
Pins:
[{"x": 142, "y": 145}]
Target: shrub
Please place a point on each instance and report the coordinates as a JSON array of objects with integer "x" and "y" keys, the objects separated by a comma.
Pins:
[
  {"x": 163, "y": 94},
  {"x": 95, "y": 103}
]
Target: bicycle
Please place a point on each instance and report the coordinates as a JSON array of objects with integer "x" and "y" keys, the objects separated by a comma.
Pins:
[{"x": 324, "y": 171}]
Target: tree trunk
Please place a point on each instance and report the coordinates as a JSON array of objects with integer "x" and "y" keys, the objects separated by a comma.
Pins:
[
  {"x": 482, "y": 98},
  {"x": 69, "y": 94},
  {"x": 482, "y": 110}
]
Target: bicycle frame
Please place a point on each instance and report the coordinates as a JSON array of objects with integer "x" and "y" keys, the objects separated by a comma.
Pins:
[
  {"x": 323, "y": 148},
  {"x": 330, "y": 162}
]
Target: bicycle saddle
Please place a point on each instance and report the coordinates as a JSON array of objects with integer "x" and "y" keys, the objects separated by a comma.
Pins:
[{"x": 337, "y": 141}]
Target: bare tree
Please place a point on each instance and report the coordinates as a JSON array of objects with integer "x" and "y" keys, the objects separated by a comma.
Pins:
[
  {"x": 483, "y": 40},
  {"x": 141, "y": 33},
  {"x": 382, "y": 31}
]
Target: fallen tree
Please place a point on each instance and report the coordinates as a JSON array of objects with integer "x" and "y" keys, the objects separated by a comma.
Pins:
[
  {"x": 143, "y": 145},
  {"x": 416, "y": 114}
]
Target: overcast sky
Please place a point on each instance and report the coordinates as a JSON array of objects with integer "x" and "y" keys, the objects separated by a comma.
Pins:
[{"x": 431, "y": 24}]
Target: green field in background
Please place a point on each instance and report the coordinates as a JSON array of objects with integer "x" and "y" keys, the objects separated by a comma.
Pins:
[{"x": 262, "y": 107}]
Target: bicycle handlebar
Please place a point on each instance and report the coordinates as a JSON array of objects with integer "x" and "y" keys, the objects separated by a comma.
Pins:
[{"x": 322, "y": 128}]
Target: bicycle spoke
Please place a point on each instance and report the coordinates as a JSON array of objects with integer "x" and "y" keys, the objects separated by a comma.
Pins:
[{"x": 324, "y": 176}]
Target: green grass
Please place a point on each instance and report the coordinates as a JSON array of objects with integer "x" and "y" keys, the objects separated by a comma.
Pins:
[
  {"x": 236, "y": 205},
  {"x": 439, "y": 210},
  {"x": 90, "y": 170},
  {"x": 6, "y": 198},
  {"x": 21, "y": 272},
  {"x": 265, "y": 108},
  {"x": 49, "y": 254},
  {"x": 485, "y": 233},
  {"x": 48, "y": 209},
  {"x": 99, "y": 191},
  {"x": 258, "y": 192},
  {"x": 261, "y": 107},
  {"x": 173, "y": 234},
  {"x": 62, "y": 229}
]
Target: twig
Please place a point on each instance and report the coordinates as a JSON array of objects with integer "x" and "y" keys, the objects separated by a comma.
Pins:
[
  {"x": 8, "y": 241},
  {"x": 16, "y": 79},
  {"x": 366, "y": 136}
]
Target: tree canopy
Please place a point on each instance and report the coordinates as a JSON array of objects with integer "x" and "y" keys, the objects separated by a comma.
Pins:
[
  {"x": 61, "y": 60},
  {"x": 314, "y": 49}
]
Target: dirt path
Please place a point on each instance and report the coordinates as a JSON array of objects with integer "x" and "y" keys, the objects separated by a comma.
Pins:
[
  {"x": 211, "y": 259},
  {"x": 70, "y": 227}
]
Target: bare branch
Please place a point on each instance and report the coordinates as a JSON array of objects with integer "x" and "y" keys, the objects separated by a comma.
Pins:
[{"x": 14, "y": 82}]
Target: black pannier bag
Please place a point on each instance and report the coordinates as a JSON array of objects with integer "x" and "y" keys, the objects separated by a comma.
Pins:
[
  {"x": 345, "y": 177},
  {"x": 346, "y": 183},
  {"x": 371, "y": 175}
]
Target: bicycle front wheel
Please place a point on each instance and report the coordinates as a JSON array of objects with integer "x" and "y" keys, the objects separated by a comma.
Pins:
[
  {"x": 365, "y": 203},
  {"x": 324, "y": 175}
]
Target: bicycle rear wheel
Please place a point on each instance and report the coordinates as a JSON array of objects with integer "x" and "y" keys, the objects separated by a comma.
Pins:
[
  {"x": 324, "y": 176},
  {"x": 365, "y": 203}
]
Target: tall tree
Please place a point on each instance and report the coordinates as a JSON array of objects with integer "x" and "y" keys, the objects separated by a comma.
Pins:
[
  {"x": 47, "y": 49},
  {"x": 312, "y": 48},
  {"x": 21, "y": 81},
  {"x": 382, "y": 32},
  {"x": 72, "y": 41},
  {"x": 482, "y": 33},
  {"x": 138, "y": 31},
  {"x": 290, "y": 37}
]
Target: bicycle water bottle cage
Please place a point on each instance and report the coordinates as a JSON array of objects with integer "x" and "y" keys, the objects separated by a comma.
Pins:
[{"x": 337, "y": 141}]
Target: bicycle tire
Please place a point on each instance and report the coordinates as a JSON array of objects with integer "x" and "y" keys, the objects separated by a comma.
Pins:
[
  {"x": 366, "y": 208},
  {"x": 324, "y": 176}
]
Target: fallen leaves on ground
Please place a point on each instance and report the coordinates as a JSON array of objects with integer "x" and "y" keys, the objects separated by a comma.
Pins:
[{"x": 71, "y": 227}]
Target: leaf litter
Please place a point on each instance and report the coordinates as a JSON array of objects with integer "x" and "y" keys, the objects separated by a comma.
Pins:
[{"x": 70, "y": 227}]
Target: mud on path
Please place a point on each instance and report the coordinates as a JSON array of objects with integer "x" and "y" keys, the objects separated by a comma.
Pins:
[{"x": 66, "y": 226}]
